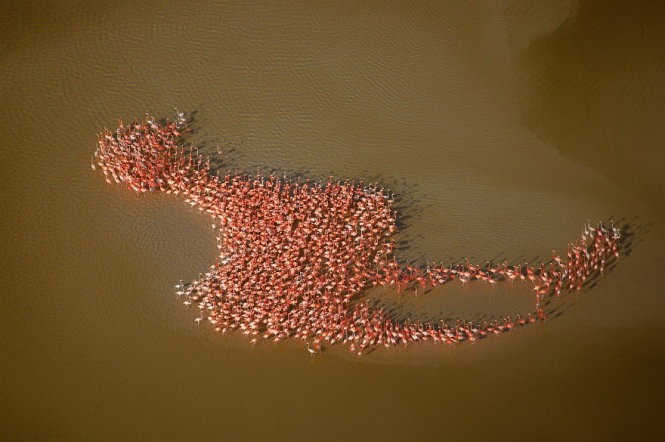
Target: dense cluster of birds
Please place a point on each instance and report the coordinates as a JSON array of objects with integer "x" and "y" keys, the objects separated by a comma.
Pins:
[{"x": 294, "y": 255}]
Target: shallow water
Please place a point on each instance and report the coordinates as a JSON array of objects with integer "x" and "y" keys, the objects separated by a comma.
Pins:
[{"x": 502, "y": 128}]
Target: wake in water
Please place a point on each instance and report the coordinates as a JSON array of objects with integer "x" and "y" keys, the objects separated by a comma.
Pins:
[{"x": 295, "y": 256}]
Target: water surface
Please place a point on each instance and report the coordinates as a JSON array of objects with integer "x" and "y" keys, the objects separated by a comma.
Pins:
[{"x": 503, "y": 127}]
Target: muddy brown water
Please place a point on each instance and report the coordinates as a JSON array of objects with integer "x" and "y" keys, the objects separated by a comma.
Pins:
[{"x": 502, "y": 125}]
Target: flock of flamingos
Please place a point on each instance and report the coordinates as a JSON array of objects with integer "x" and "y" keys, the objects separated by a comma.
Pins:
[{"x": 295, "y": 256}]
